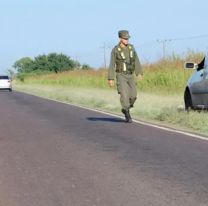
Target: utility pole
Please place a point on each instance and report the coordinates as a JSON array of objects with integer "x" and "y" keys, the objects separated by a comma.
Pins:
[
  {"x": 76, "y": 57},
  {"x": 104, "y": 54},
  {"x": 104, "y": 47},
  {"x": 163, "y": 42}
]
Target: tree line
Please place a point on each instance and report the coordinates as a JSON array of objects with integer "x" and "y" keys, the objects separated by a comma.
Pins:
[{"x": 52, "y": 62}]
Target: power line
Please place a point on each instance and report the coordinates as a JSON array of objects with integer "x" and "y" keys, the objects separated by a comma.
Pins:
[
  {"x": 164, "y": 41},
  {"x": 191, "y": 37}
]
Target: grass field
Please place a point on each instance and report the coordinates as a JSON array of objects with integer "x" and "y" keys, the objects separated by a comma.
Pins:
[{"x": 165, "y": 76}]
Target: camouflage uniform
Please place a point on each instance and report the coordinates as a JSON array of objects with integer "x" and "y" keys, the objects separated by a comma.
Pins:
[{"x": 124, "y": 64}]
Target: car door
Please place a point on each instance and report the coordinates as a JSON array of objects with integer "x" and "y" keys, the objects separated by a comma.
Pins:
[
  {"x": 205, "y": 83},
  {"x": 196, "y": 85}
]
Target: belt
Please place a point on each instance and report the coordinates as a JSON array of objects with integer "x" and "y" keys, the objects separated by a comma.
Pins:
[{"x": 126, "y": 72}]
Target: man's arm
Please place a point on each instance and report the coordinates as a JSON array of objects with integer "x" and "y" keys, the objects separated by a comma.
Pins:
[
  {"x": 111, "y": 70},
  {"x": 138, "y": 67}
]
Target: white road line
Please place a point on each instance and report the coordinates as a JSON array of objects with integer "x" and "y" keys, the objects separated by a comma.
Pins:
[
  {"x": 136, "y": 121},
  {"x": 145, "y": 123}
]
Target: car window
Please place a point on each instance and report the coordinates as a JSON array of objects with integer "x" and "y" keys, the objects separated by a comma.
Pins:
[
  {"x": 201, "y": 65},
  {"x": 4, "y": 77},
  {"x": 206, "y": 64}
]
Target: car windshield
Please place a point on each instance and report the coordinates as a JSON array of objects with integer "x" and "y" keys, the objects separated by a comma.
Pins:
[{"x": 4, "y": 77}]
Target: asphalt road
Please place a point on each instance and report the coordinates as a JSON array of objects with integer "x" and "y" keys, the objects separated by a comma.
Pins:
[{"x": 53, "y": 154}]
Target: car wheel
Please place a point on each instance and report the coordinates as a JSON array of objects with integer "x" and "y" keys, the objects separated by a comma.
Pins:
[
  {"x": 188, "y": 100},
  {"x": 10, "y": 90}
]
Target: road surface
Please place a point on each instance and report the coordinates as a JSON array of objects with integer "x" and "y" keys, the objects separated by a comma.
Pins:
[{"x": 53, "y": 154}]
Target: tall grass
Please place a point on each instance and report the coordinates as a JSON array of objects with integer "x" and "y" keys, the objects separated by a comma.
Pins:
[
  {"x": 155, "y": 80},
  {"x": 166, "y": 75},
  {"x": 77, "y": 78}
]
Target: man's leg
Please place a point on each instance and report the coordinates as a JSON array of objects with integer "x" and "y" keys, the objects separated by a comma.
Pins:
[
  {"x": 132, "y": 91},
  {"x": 122, "y": 86},
  {"x": 123, "y": 90},
  {"x": 127, "y": 115}
]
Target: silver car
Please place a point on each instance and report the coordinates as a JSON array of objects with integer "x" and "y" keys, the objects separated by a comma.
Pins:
[
  {"x": 5, "y": 83},
  {"x": 196, "y": 92}
]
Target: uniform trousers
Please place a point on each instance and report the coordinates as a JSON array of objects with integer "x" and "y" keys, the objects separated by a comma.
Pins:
[{"x": 126, "y": 87}]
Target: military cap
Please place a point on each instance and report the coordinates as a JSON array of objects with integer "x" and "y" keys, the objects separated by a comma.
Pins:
[{"x": 123, "y": 34}]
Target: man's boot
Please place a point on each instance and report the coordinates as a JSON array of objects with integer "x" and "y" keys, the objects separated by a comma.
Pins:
[{"x": 127, "y": 115}]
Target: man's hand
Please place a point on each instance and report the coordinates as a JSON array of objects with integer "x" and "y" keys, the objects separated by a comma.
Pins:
[
  {"x": 140, "y": 77},
  {"x": 111, "y": 83}
]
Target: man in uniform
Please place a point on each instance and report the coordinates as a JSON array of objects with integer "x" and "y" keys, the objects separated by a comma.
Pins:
[{"x": 125, "y": 63}]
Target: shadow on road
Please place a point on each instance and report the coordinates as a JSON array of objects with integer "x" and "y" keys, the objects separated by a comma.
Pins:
[{"x": 105, "y": 119}]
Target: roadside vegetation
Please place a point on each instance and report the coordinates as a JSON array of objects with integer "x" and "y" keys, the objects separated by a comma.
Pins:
[{"x": 160, "y": 94}]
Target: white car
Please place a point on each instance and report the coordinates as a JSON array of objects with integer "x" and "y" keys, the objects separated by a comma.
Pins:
[{"x": 5, "y": 82}]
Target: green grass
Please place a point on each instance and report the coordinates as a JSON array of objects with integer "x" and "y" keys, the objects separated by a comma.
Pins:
[{"x": 163, "y": 80}]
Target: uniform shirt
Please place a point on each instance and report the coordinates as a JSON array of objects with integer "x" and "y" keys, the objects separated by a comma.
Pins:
[{"x": 125, "y": 50}]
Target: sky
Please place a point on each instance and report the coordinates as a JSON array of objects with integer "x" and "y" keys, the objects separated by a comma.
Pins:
[{"x": 82, "y": 29}]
